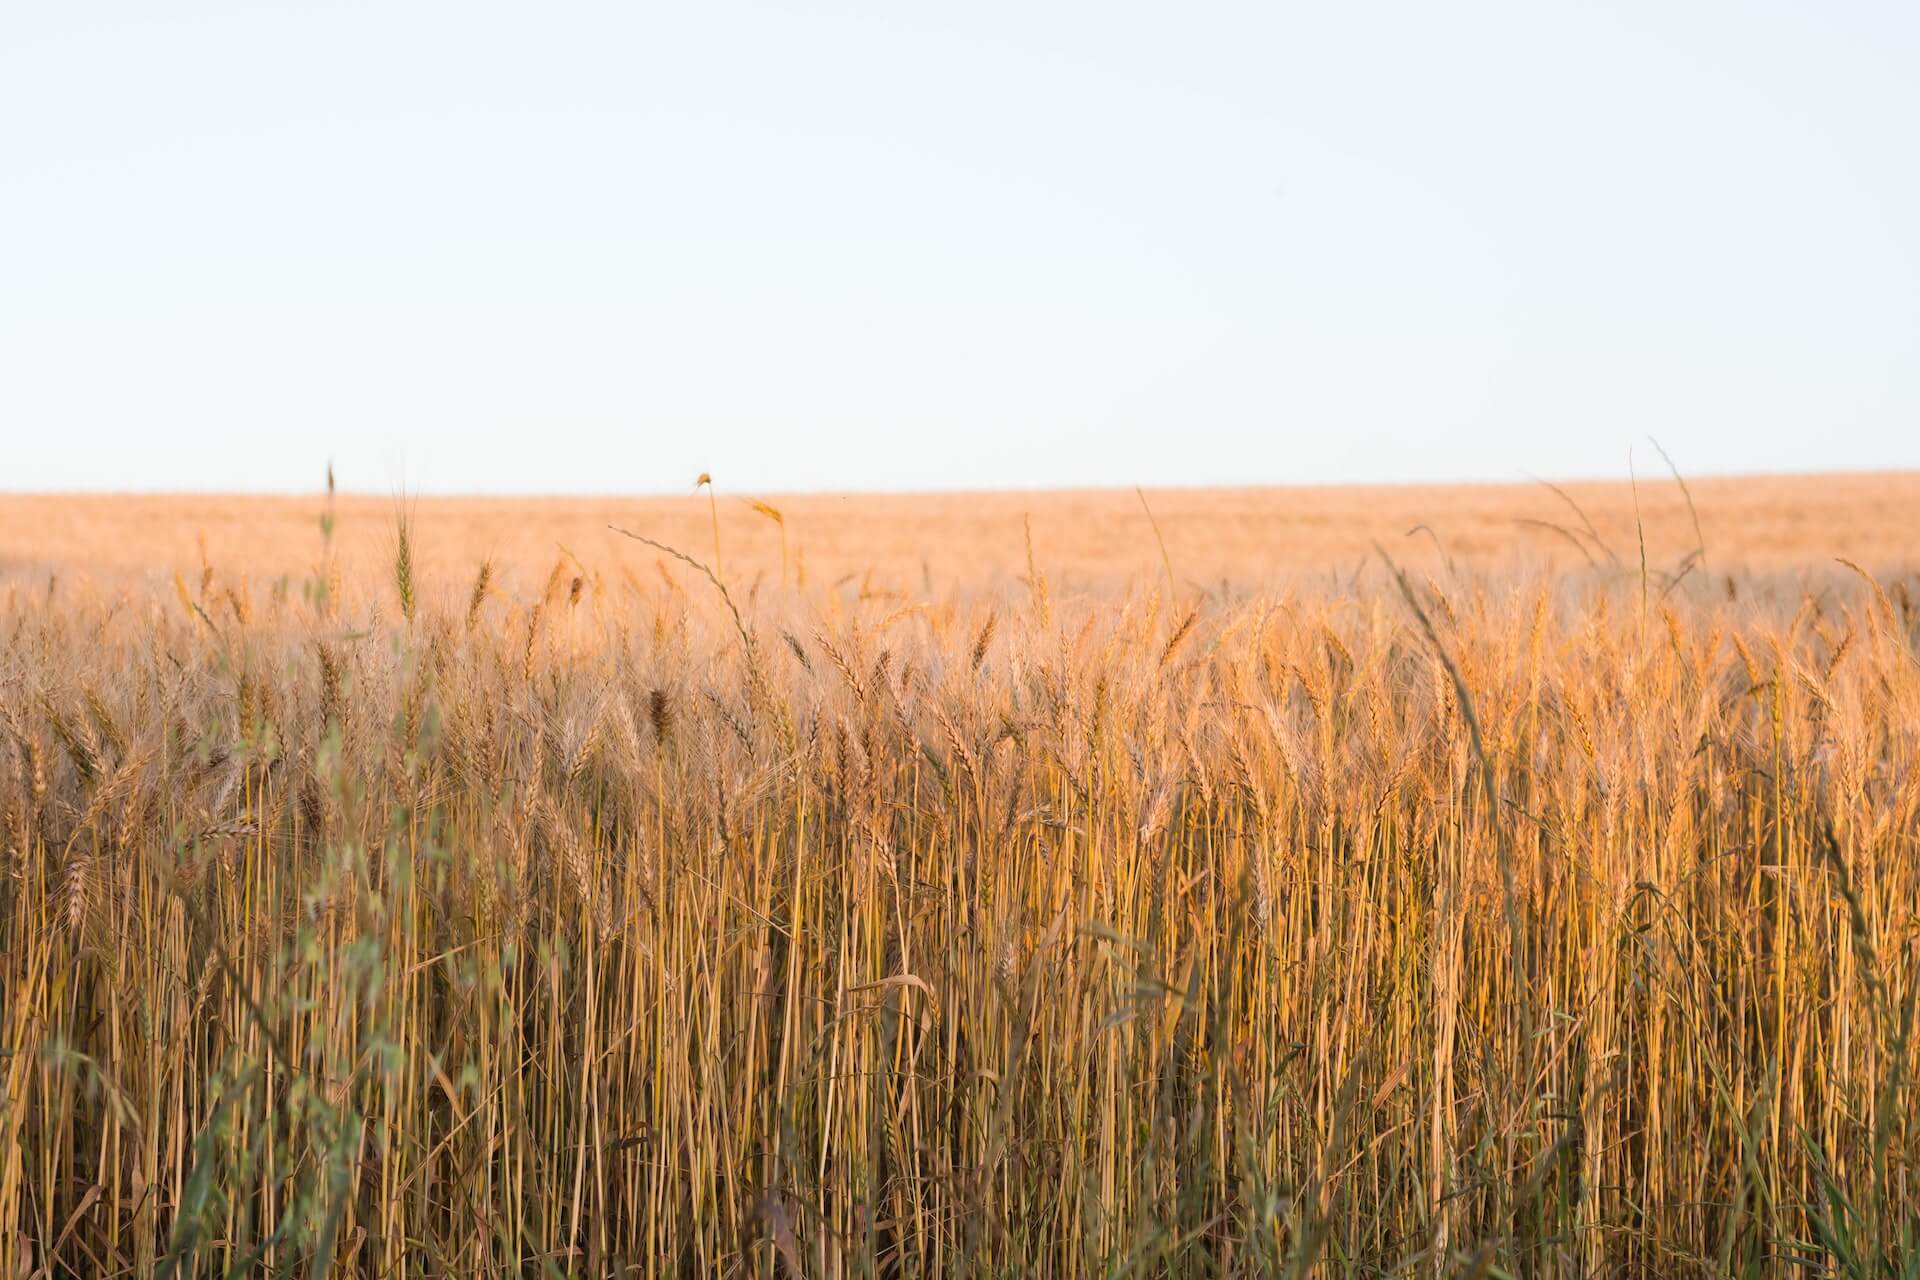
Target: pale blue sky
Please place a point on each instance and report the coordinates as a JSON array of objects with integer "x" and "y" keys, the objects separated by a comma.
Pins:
[{"x": 601, "y": 248}]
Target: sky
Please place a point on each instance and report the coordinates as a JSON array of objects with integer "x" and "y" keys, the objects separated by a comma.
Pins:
[{"x": 602, "y": 248}]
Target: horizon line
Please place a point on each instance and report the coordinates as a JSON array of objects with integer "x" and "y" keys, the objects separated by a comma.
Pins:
[{"x": 1658, "y": 474}]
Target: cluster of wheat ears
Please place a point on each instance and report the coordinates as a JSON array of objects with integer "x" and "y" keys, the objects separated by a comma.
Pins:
[{"x": 641, "y": 924}]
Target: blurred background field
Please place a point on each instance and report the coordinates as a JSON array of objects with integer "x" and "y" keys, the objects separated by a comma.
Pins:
[{"x": 1087, "y": 540}]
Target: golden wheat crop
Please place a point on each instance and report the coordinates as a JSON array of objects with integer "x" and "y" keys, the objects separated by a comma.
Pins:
[{"x": 642, "y": 922}]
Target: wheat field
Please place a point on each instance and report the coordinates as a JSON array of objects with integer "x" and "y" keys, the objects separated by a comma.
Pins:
[{"x": 1485, "y": 881}]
